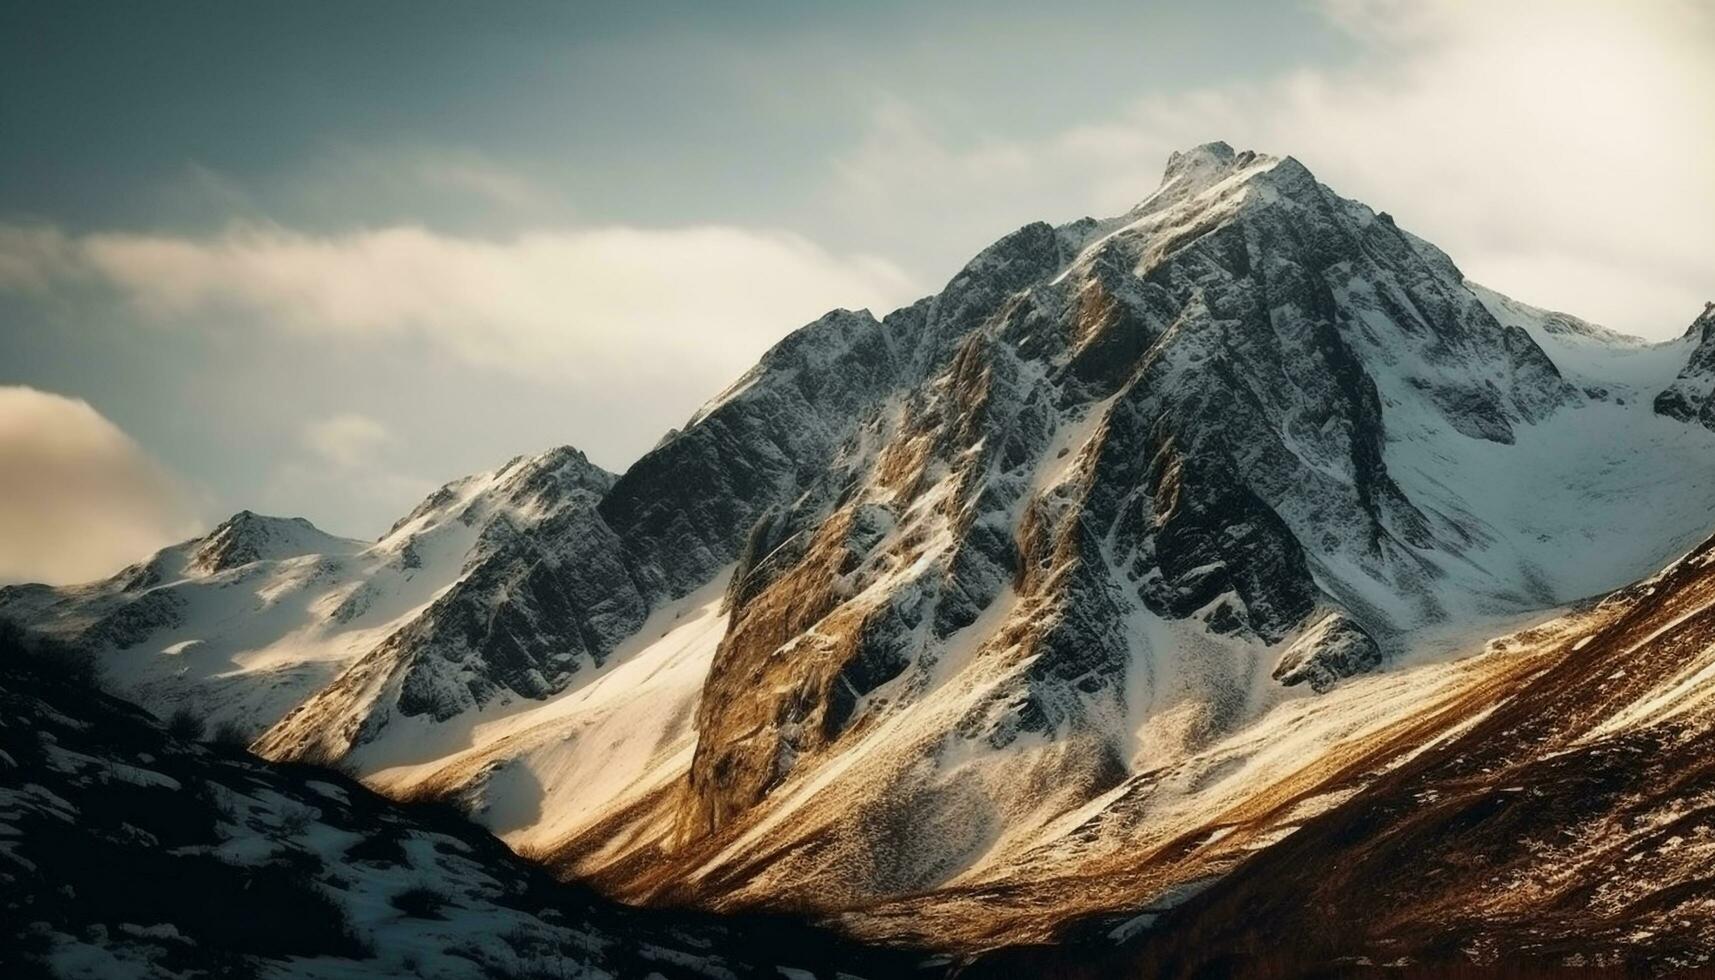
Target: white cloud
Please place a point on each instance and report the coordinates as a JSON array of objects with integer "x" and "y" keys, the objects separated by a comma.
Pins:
[
  {"x": 1558, "y": 150},
  {"x": 629, "y": 329},
  {"x": 78, "y": 498},
  {"x": 605, "y": 307},
  {"x": 347, "y": 440}
]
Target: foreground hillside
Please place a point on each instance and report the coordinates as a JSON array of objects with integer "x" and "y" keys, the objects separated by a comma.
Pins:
[{"x": 126, "y": 851}]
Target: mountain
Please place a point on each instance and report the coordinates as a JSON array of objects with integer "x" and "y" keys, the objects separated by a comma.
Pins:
[
  {"x": 1141, "y": 475},
  {"x": 247, "y": 537},
  {"x": 131, "y": 852},
  {"x": 213, "y": 625},
  {"x": 960, "y": 624}
]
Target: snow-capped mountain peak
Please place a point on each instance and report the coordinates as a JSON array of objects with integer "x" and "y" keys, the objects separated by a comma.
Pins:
[{"x": 1191, "y": 174}]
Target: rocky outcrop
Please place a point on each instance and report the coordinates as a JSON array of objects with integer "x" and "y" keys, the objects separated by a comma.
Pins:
[
  {"x": 1332, "y": 648},
  {"x": 1688, "y": 398}
]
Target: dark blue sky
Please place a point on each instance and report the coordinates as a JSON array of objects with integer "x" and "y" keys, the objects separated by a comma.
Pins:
[{"x": 638, "y": 113}]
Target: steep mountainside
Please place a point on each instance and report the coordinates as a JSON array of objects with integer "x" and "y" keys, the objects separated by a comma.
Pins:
[
  {"x": 128, "y": 852},
  {"x": 1688, "y": 398},
  {"x": 954, "y": 623},
  {"x": 1560, "y": 813}
]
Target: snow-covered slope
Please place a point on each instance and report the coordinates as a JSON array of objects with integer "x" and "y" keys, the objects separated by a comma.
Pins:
[
  {"x": 1132, "y": 522},
  {"x": 223, "y": 625},
  {"x": 542, "y": 772}
]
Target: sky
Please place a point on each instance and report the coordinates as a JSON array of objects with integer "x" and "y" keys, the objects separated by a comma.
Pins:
[{"x": 318, "y": 258}]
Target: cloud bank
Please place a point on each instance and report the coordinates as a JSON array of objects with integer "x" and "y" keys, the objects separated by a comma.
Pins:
[
  {"x": 78, "y": 498},
  {"x": 627, "y": 330},
  {"x": 685, "y": 306}
]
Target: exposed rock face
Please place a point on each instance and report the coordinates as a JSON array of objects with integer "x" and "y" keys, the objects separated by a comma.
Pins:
[
  {"x": 1333, "y": 648},
  {"x": 684, "y": 509},
  {"x": 543, "y": 592},
  {"x": 1554, "y": 814},
  {"x": 1687, "y": 399}
]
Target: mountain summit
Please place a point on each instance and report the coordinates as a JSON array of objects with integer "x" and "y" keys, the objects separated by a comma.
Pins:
[{"x": 246, "y": 537}]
